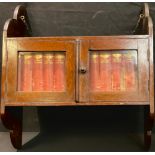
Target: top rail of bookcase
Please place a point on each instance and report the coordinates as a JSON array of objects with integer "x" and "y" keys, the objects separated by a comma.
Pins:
[{"x": 76, "y": 38}]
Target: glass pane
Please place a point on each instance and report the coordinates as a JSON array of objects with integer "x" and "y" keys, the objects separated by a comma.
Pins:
[
  {"x": 113, "y": 70},
  {"x": 41, "y": 71}
]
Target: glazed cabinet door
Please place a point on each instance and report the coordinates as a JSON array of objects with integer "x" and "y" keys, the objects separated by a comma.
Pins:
[
  {"x": 114, "y": 70},
  {"x": 41, "y": 71}
]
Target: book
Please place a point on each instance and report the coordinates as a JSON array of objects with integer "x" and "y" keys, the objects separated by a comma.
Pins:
[
  {"x": 116, "y": 71},
  {"x": 59, "y": 72},
  {"x": 105, "y": 71},
  {"x": 130, "y": 72},
  {"x": 37, "y": 72},
  {"x": 48, "y": 68},
  {"x": 26, "y": 72},
  {"x": 94, "y": 72}
]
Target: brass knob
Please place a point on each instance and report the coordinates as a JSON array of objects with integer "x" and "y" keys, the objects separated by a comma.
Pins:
[{"x": 83, "y": 70}]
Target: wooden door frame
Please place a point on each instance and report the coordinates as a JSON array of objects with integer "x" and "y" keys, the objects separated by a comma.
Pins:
[
  {"x": 141, "y": 45},
  {"x": 14, "y": 46}
]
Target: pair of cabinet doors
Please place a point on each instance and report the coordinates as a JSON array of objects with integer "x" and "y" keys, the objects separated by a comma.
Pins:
[{"x": 80, "y": 70}]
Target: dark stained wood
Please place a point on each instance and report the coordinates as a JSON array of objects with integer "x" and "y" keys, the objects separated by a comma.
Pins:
[
  {"x": 146, "y": 27},
  {"x": 149, "y": 112},
  {"x": 73, "y": 38},
  {"x": 141, "y": 45},
  {"x": 83, "y": 76},
  {"x": 12, "y": 117},
  {"x": 95, "y": 103},
  {"x": 148, "y": 125},
  {"x": 12, "y": 28},
  {"x": 141, "y": 27},
  {"x": 20, "y": 14},
  {"x": 151, "y": 68},
  {"x": 77, "y": 92},
  {"x": 12, "y": 120},
  {"x": 113, "y": 44},
  {"x": 20, "y": 11},
  {"x": 77, "y": 71},
  {"x": 67, "y": 96}
]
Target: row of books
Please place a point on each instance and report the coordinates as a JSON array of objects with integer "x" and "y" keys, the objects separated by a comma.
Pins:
[
  {"x": 41, "y": 71},
  {"x": 113, "y": 71}
]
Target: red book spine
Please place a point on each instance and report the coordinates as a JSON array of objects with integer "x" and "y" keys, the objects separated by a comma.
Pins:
[
  {"x": 130, "y": 73},
  {"x": 116, "y": 71},
  {"x": 37, "y": 73},
  {"x": 94, "y": 72},
  {"x": 105, "y": 72},
  {"x": 59, "y": 72},
  {"x": 48, "y": 72},
  {"x": 27, "y": 73}
]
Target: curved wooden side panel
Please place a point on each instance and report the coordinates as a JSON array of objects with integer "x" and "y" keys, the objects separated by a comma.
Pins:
[
  {"x": 20, "y": 14},
  {"x": 142, "y": 23},
  {"x": 12, "y": 120},
  {"x": 148, "y": 125},
  {"x": 11, "y": 29},
  {"x": 15, "y": 27},
  {"x": 146, "y": 11},
  {"x": 145, "y": 26},
  {"x": 12, "y": 116},
  {"x": 8, "y": 30},
  {"x": 149, "y": 114},
  {"x": 19, "y": 11},
  {"x": 151, "y": 55}
]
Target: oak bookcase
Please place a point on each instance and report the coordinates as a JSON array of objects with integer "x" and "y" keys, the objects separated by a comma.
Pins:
[{"x": 75, "y": 71}]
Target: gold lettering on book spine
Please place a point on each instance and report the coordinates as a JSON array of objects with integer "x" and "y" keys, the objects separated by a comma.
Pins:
[
  {"x": 128, "y": 57},
  {"x": 48, "y": 58},
  {"x": 104, "y": 58},
  {"x": 59, "y": 58},
  {"x": 94, "y": 57},
  {"x": 117, "y": 57},
  {"x": 27, "y": 58},
  {"x": 38, "y": 58}
]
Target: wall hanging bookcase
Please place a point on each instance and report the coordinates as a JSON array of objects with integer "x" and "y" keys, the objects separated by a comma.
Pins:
[{"x": 75, "y": 71}]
